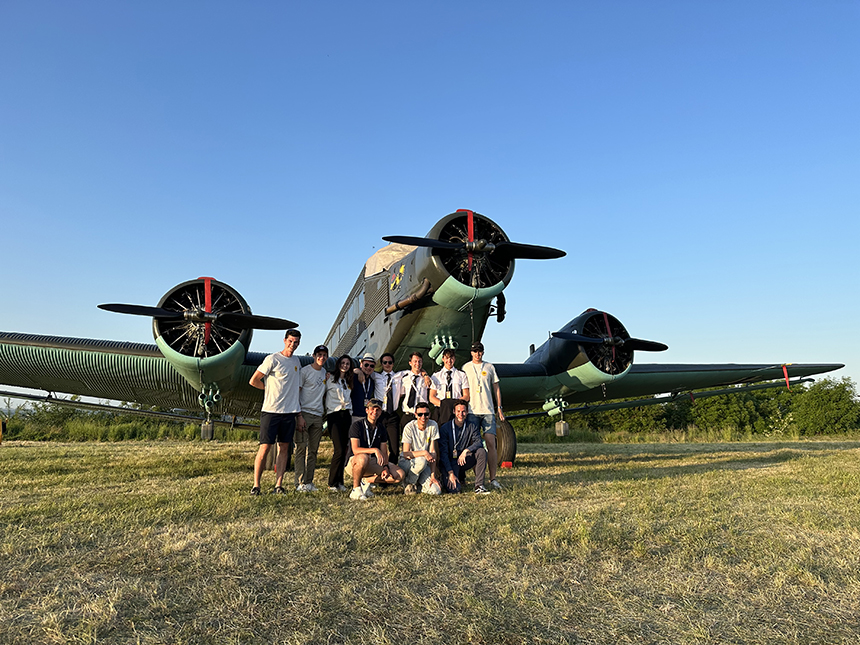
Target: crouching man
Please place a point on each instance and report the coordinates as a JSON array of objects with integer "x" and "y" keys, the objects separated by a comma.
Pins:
[
  {"x": 420, "y": 449},
  {"x": 367, "y": 455},
  {"x": 462, "y": 450}
]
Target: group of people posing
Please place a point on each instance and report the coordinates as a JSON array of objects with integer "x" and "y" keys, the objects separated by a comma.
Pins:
[{"x": 406, "y": 427}]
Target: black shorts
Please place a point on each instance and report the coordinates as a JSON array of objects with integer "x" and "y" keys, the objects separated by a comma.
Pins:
[{"x": 278, "y": 428}]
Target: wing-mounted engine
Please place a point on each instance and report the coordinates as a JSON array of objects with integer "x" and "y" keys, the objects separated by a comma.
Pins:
[
  {"x": 592, "y": 349},
  {"x": 204, "y": 345},
  {"x": 204, "y": 327}
]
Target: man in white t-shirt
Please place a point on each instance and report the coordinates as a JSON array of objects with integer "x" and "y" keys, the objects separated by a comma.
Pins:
[
  {"x": 483, "y": 383},
  {"x": 310, "y": 420},
  {"x": 420, "y": 452},
  {"x": 279, "y": 377}
]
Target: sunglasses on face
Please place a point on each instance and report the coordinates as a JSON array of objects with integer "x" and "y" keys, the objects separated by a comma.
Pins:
[
  {"x": 388, "y": 362},
  {"x": 422, "y": 414}
]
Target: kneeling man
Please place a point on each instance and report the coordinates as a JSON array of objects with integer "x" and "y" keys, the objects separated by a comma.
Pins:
[
  {"x": 367, "y": 454},
  {"x": 462, "y": 450},
  {"x": 420, "y": 448}
]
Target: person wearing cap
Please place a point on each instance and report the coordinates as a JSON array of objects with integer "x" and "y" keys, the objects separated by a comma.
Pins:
[
  {"x": 461, "y": 450},
  {"x": 367, "y": 455},
  {"x": 483, "y": 383},
  {"x": 363, "y": 385},
  {"x": 420, "y": 453},
  {"x": 278, "y": 376},
  {"x": 310, "y": 421},
  {"x": 448, "y": 386}
]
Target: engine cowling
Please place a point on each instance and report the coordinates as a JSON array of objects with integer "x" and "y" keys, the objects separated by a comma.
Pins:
[
  {"x": 202, "y": 347},
  {"x": 587, "y": 352},
  {"x": 477, "y": 269},
  {"x": 466, "y": 276}
]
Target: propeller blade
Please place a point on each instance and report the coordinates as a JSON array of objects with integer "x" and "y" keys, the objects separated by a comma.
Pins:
[
  {"x": 250, "y": 321},
  {"x": 142, "y": 310},
  {"x": 639, "y": 345},
  {"x": 428, "y": 242},
  {"x": 579, "y": 338},
  {"x": 517, "y": 251},
  {"x": 504, "y": 250},
  {"x": 635, "y": 344}
]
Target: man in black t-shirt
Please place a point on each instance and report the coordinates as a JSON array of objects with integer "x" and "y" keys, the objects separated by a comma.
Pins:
[{"x": 367, "y": 454}]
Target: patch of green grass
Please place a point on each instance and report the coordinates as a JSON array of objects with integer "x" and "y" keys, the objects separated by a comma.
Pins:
[{"x": 592, "y": 543}]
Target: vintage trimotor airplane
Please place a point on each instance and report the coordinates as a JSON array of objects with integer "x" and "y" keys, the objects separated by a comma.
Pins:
[{"x": 422, "y": 294}]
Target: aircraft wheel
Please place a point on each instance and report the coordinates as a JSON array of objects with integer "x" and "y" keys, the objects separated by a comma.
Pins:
[{"x": 506, "y": 442}]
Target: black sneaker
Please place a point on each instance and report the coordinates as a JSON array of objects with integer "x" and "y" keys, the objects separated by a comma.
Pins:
[
  {"x": 255, "y": 491},
  {"x": 480, "y": 490},
  {"x": 279, "y": 490}
]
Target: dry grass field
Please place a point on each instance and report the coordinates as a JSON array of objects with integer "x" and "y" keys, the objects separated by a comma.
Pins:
[{"x": 654, "y": 543}]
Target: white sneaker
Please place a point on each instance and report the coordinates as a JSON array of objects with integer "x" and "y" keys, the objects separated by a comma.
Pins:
[
  {"x": 357, "y": 495},
  {"x": 495, "y": 484},
  {"x": 311, "y": 488},
  {"x": 434, "y": 489},
  {"x": 365, "y": 490},
  {"x": 301, "y": 489}
]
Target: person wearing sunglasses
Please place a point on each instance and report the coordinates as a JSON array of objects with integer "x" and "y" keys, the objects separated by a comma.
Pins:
[
  {"x": 419, "y": 453},
  {"x": 363, "y": 387},
  {"x": 388, "y": 388}
]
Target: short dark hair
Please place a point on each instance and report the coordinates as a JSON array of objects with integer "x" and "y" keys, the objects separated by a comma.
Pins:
[
  {"x": 461, "y": 402},
  {"x": 449, "y": 352},
  {"x": 422, "y": 404},
  {"x": 388, "y": 354},
  {"x": 418, "y": 354},
  {"x": 293, "y": 332}
]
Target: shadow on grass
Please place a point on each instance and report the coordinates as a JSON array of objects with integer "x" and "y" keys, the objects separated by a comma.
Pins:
[{"x": 631, "y": 463}]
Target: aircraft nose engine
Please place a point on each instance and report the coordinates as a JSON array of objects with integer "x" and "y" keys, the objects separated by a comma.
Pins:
[
  {"x": 474, "y": 250},
  {"x": 605, "y": 341},
  {"x": 203, "y": 327}
]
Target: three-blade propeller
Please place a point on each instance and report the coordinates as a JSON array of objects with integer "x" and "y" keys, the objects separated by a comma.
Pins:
[
  {"x": 635, "y": 344},
  {"x": 503, "y": 250},
  {"x": 230, "y": 319}
]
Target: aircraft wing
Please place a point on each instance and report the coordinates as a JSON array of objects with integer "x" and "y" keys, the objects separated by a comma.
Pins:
[
  {"x": 120, "y": 371},
  {"x": 528, "y": 385},
  {"x": 651, "y": 378}
]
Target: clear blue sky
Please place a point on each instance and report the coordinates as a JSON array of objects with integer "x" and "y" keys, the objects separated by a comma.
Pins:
[{"x": 698, "y": 161}]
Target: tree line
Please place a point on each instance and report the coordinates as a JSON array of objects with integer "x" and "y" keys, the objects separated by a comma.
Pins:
[{"x": 826, "y": 408}]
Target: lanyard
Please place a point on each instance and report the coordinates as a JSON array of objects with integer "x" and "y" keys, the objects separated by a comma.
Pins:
[
  {"x": 478, "y": 375},
  {"x": 367, "y": 434}
]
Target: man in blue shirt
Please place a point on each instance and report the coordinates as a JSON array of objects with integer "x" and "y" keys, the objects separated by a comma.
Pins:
[{"x": 462, "y": 450}]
